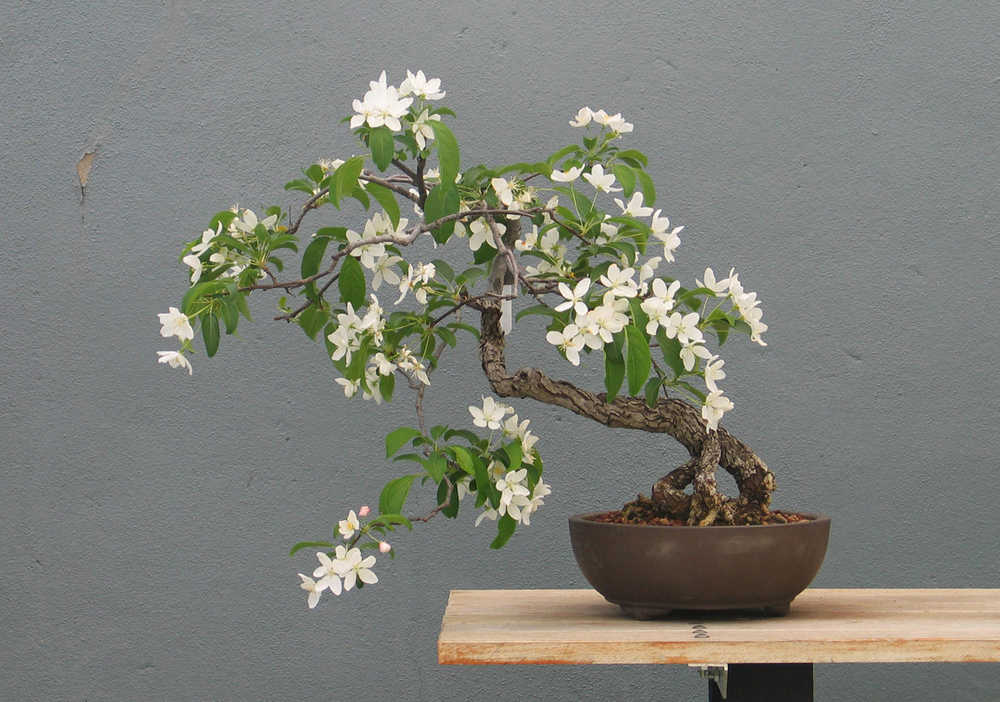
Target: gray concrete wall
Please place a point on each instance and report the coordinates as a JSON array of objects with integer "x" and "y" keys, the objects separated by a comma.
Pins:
[{"x": 842, "y": 155}]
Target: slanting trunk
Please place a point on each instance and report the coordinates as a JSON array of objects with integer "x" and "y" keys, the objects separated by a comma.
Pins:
[{"x": 705, "y": 505}]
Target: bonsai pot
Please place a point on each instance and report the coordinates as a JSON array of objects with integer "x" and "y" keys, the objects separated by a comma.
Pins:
[{"x": 651, "y": 570}]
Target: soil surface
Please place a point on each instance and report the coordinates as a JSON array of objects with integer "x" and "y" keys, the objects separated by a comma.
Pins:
[{"x": 642, "y": 510}]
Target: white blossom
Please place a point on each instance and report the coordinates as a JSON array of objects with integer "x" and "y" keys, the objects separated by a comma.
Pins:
[
  {"x": 683, "y": 327},
  {"x": 350, "y": 386},
  {"x": 247, "y": 221},
  {"x": 422, "y": 130},
  {"x": 413, "y": 366},
  {"x": 719, "y": 287},
  {"x": 634, "y": 208},
  {"x": 345, "y": 341},
  {"x": 569, "y": 340},
  {"x": 370, "y": 389},
  {"x": 196, "y": 267},
  {"x": 175, "y": 323},
  {"x": 619, "y": 281},
  {"x": 658, "y": 305},
  {"x": 600, "y": 181},
  {"x": 354, "y": 568},
  {"x": 566, "y": 176},
  {"x": 668, "y": 237},
  {"x": 175, "y": 359},
  {"x": 481, "y": 234},
  {"x": 541, "y": 490},
  {"x": 714, "y": 372},
  {"x": 488, "y": 513},
  {"x": 490, "y": 415},
  {"x": 381, "y": 105},
  {"x": 513, "y": 493},
  {"x": 420, "y": 86},
  {"x": 574, "y": 297},
  {"x": 715, "y": 406},
  {"x": 384, "y": 270},
  {"x": 348, "y": 526},
  {"x": 313, "y": 588},
  {"x": 328, "y": 573},
  {"x": 383, "y": 364},
  {"x": 690, "y": 350},
  {"x": 646, "y": 271},
  {"x": 583, "y": 117},
  {"x": 206, "y": 240},
  {"x": 504, "y": 190}
]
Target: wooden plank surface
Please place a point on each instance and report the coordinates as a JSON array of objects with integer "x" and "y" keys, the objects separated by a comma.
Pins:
[{"x": 824, "y": 626}]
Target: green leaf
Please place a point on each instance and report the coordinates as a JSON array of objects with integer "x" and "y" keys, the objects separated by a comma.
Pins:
[
  {"x": 505, "y": 529},
  {"x": 361, "y": 195},
  {"x": 210, "y": 332},
  {"x": 537, "y": 309},
  {"x": 435, "y": 465},
  {"x": 311, "y": 259},
  {"x": 385, "y": 197},
  {"x": 638, "y": 361},
  {"x": 561, "y": 153},
  {"x": 614, "y": 369},
  {"x": 485, "y": 486},
  {"x": 309, "y": 544},
  {"x": 671, "y": 349},
  {"x": 442, "y": 201},
  {"x": 396, "y": 439},
  {"x": 230, "y": 312},
  {"x": 394, "y": 495},
  {"x": 351, "y": 282},
  {"x": 241, "y": 304},
  {"x": 443, "y": 270},
  {"x": 345, "y": 180},
  {"x": 301, "y": 185},
  {"x": 382, "y": 145},
  {"x": 465, "y": 327},
  {"x": 692, "y": 389},
  {"x": 197, "y": 291},
  {"x": 447, "y": 335},
  {"x": 626, "y": 176},
  {"x": 447, "y": 147},
  {"x": 315, "y": 173},
  {"x": 653, "y": 391},
  {"x": 391, "y": 520},
  {"x": 451, "y": 509},
  {"x": 648, "y": 189},
  {"x": 464, "y": 459},
  {"x": 386, "y": 384},
  {"x": 639, "y": 316},
  {"x": 513, "y": 451},
  {"x": 633, "y": 155},
  {"x": 312, "y": 319}
]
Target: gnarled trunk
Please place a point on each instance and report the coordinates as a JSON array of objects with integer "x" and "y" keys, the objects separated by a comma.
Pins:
[{"x": 705, "y": 505}]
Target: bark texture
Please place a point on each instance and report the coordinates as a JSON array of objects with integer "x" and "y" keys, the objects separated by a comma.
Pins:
[{"x": 705, "y": 505}]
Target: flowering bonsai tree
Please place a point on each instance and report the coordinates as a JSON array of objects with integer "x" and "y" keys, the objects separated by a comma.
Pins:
[{"x": 575, "y": 236}]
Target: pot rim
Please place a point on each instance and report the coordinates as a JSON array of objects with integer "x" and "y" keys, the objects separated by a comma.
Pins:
[{"x": 584, "y": 518}]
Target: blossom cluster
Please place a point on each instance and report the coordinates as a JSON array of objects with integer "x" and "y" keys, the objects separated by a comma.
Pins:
[
  {"x": 342, "y": 572},
  {"x": 386, "y": 105},
  {"x": 517, "y": 499}
]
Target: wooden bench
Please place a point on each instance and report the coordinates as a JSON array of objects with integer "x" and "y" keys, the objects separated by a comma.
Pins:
[{"x": 746, "y": 656}]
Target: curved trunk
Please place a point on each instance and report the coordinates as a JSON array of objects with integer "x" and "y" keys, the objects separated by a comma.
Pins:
[{"x": 670, "y": 416}]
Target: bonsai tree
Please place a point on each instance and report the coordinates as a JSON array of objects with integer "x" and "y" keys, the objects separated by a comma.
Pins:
[{"x": 575, "y": 236}]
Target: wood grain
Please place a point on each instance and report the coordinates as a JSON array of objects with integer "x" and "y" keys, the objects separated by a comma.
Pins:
[{"x": 824, "y": 626}]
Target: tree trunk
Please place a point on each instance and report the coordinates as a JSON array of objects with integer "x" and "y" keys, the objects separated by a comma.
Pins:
[{"x": 670, "y": 416}]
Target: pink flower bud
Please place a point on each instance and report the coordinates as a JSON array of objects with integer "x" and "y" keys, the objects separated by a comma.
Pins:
[
  {"x": 384, "y": 546},
  {"x": 364, "y": 511}
]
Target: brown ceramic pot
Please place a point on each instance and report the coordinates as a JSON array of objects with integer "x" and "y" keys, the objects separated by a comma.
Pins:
[{"x": 651, "y": 570}]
